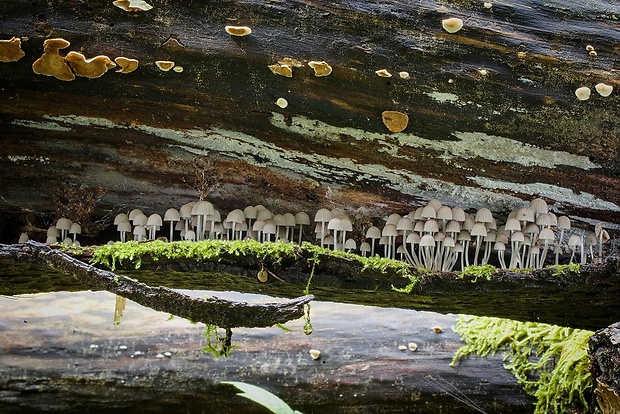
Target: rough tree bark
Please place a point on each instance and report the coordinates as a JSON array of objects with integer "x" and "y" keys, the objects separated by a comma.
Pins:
[{"x": 223, "y": 313}]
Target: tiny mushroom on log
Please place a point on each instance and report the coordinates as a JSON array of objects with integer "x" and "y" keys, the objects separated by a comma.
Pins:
[
  {"x": 10, "y": 50},
  {"x": 282, "y": 70},
  {"x": 126, "y": 65},
  {"x": 395, "y": 121},
  {"x": 452, "y": 25},
  {"x": 51, "y": 63},
  {"x": 238, "y": 30},
  {"x": 321, "y": 68},
  {"x": 89, "y": 68},
  {"x": 132, "y": 5},
  {"x": 383, "y": 73},
  {"x": 583, "y": 93},
  {"x": 164, "y": 65},
  {"x": 603, "y": 89}
]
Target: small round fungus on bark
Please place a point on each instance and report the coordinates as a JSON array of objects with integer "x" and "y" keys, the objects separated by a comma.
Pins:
[
  {"x": 282, "y": 103},
  {"x": 383, "y": 73},
  {"x": 603, "y": 89},
  {"x": 238, "y": 30},
  {"x": 452, "y": 25},
  {"x": 178, "y": 69},
  {"x": 321, "y": 68},
  {"x": 52, "y": 63},
  {"x": 282, "y": 70},
  {"x": 10, "y": 50},
  {"x": 89, "y": 68},
  {"x": 132, "y": 5},
  {"x": 164, "y": 65},
  {"x": 583, "y": 93},
  {"x": 395, "y": 121},
  {"x": 126, "y": 65}
]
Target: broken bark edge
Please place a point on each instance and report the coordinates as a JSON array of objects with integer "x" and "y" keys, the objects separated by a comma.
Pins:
[{"x": 215, "y": 311}]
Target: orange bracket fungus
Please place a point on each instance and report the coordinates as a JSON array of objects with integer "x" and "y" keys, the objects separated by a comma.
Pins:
[
  {"x": 132, "y": 5},
  {"x": 604, "y": 89},
  {"x": 383, "y": 73},
  {"x": 10, "y": 50},
  {"x": 320, "y": 68},
  {"x": 238, "y": 30},
  {"x": 89, "y": 68},
  {"x": 452, "y": 25},
  {"x": 395, "y": 121},
  {"x": 164, "y": 65},
  {"x": 282, "y": 70},
  {"x": 52, "y": 63},
  {"x": 583, "y": 93},
  {"x": 126, "y": 65}
]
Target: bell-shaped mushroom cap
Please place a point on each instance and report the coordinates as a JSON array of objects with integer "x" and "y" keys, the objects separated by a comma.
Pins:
[
  {"x": 463, "y": 235},
  {"x": 185, "y": 212},
  {"x": 68, "y": 241},
  {"x": 23, "y": 238},
  {"x": 51, "y": 63},
  {"x": 289, "y": 220},
  {"x": 164, "y": 65},
  {"x": 591, "y": 240},
  {"x": 279, "y": 220},
  {"x": 417, "y": 214},
  {"x": 121, "y": 217},
  {"x": 546, "y": 234},
  {"x": 335, "y": 224},
  {"x": 502, "y": 237},
  {"x": 302, "y": 218},
  {"x": 172, "y": 214},
  {"x": 458, "y": 248},
  {"x": 531, "y": 228},
  {"x": 478, "y": 230},
  {"x": 264, "y": 214},
  {"x": 490, "y": 237},
  {"x": 154, "y": 220},
  {"x": 452, "y": 25},
  {"x": 269, "y": 227},
  {"x": 427, "y": 241},
  {"x": 546, "y": 220},
  {"x": 448, "y": 241},
  {"x": 512, "y": 224},
  {"x": 124, "y": 226},
  {"x": 51, "y": 240},
  {"x": 190, "y": 235},
  {"x": 395, "y": 121},
  {"x": 180, "y": 225},
  {"x": 603, "y": 89},
  {"x": 350, "y": 244},
  {"x": 468, "y": 223},
  {"x": 321, "y": 68},
  {"x": 75, "y": 228},
  {"x": 436, "y": 204},
  {"x": 413, "y": 238},
  {"x": 202, "y": 208},
  {"x": 140, "y": 220},
  {"x": 389, "y": 230},
  {"x": 133, "y": 213},
  {"x": 393, "y": 218},
  {"x": 444, "y": 213},
  {"x": 525, "y": 214},
  {"x": 328, "y": 240},
  {"x": 126, "y": 65},
  {"x": 10, "y": 50},
  {"x": 431, "y": 226},
  {"x": 139, "y": 230},
  {"x": 238, "y": 30},
  {"x": 53, "y": 231},
  {"x": 574, "y": 241},
  {"x": 250, "y": 212},
  {"x": 404, "y": 224},
  {"x": 63, "y": 224},
  {"x": 458, "y": 214},
  {"x": 499, "y": 246},
  {"x": 365, "y": 247},
  {"x": 419, "y": 226},
  {"x": 373, "y": 232},
  {"x": 258, "y": 225},
  {"x": 439, "y": 237},
  {"x": 484, "y": 215},
  {"x": 539, "y": 206},
  {"x": 132, "y": 5},
  {"x": 428, "y": 212},
  {"x": 517, "y": 236},
  {"x": 323, "y": 216},
  {"x": 236, "y": 216},
  {"x": 452, "y": 226},
  {"x": 89, "y": 68}
]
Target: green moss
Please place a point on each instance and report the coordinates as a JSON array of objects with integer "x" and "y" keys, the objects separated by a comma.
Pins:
[
  {"x": 478, "y": 272},
  {"x": 560, "y": 269},
  {"x": 551, "y": 362}
]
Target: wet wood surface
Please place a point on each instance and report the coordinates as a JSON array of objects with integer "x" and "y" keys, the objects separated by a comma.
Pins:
[{"x": 61, "y": 352}]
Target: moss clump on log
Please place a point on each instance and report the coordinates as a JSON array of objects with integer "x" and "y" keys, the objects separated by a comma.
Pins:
[{"x": 550, "y": 361}]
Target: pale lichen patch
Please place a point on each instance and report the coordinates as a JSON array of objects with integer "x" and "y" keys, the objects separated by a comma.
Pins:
[{"x": 443, "y": 97}]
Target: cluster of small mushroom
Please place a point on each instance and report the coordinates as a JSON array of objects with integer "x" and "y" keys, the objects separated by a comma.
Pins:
[{"x": 60, "y": 232}]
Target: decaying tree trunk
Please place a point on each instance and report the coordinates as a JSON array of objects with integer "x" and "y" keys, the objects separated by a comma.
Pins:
[
  {"x": 223, "y": 313},
  {"x": 605, "y": 367}
]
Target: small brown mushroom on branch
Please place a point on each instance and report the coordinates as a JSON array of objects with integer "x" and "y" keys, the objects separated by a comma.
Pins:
[
  {"x": 321, "y": 68},
  {"x": 10, "y": 50},
  {"x": 89, "y": 68},
  {"x": 126, "y": 65},
  {"x": 52, "y": 63},
  {"x": 164, "y": 65},
  {"x": 132, "y": 5},
  {"x": 282, "y": 70},
  {"x": 395, "y": 121},
  {"x": 238, "y": 30}
]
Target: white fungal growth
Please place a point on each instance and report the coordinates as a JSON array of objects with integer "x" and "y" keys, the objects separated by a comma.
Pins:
[
  {"x": 402, "y": 348},
  {"x": 412, "y": 346},
  {"x": 452, "y": 25},
  {"x": 404, "y": 75},
  {"x": 583, "y": 93},
  {"x": 315, "y": 354},
  {"x": 282, "y": 103},
  {"x": 603, "y": 89},
  {"x": 383, "y": 73}
]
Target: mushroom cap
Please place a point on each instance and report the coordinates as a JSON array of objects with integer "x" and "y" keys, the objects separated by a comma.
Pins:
[
  {"x": 512, "y": 224},
  {"x": 126, "y": 65},
  {"x": 264, "y": 214},
  {"x": 121, "y": 217},
  {"x": 189, "y": 235},
  {"x": 172, "y": 214},
  {"x": 23, "y": 238},
  {"x": 389, "y": 230},
  {"x": 458, "y": 214},
  {"x": 279, "y": 220},
  {"x": 289, "y": 219},
  {"x": 53, "y": 231},
  {"x": 140, "y": 220},
  {"x": 428, "y": 212},
  {"x": 323, "y": 215},
  {"x": 393, "y": 218},
  {"x": 51, "y": 240},
  {"x": 404, "y": 224},
  {"x": 202, "y": 208},
  {"x": 321, "y": 68},
  {"x": 335, "y": 224},
  {"x": 350, "y": 244},
  {"x": 302, "y": 218},
  {"x": 164, "y": 65},
  {"x": 258, "y": 225},
  {"x": 250, "y": 212},
  {"x": 583, "y": 93},
  {"x": 452, "y": 25},
  {"x": 124, "y": 226},
  {"x": 395, "y": 121},
  {"x": 51, "y": 63},
  {"x": 546, "y": 234},
  {"x": 238, "y": 30},
  {"x": 431, "y": 226},
  {"x": 444, "y": 213},
  {"x": 478, "y": 230},
  {"x": 132, "y": 5},
  {"x": 574, "y": 241},
  {"x": 293, "y": 63},
  {"x": 154, "y": 220},
  {"x": 365, "y": 247},
  {"x": 383, "y": 73},
  {"x": 452, "y": 226},
  {"x": 133, "y": 213},
  {"x": 236, "y": 216},
  {"x": 373, "y": 232},
  {"x": 10, "y": 50},
  {"x": 63, "y": 223},
  {"x": 89, "y": 68},
  {"x": 604, "y": 89},
  {"x": 499, "y": 246},
  {"x": 185, "y": 212},
  {"x": 139, "y": 231},
  {"x": 539, "y": 205},
  {"x": 427, "y": 241},
  {"x": 413, "y": 238},
  {"x": 282, "y": 70},
  {"x": 75, "y": 228},
  {"x": 484, "y": 215}
]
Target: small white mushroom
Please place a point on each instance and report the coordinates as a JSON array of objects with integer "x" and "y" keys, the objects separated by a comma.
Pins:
[
  {"x": 164, "y": 65},
  {"x": 315, "y": 354},
  {"x": 583, "y": 93},
  {"x": 452, "y": 25},
  {"x": 282, "y": 103},
  {"x": 239, "y": 31},
  {"x": 383, "y": 73},
  {"x": 321, "y": 68},
  {"x": 404, "y": 75},
  {"x": 412, "y": 346},
  {"x": 603, "y": 89}
]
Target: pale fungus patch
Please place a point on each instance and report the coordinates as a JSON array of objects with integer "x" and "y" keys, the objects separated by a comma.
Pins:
[
  {"x": 383, "y": 73},
  {"x": 402, "y": 348},
  {"x": 126, "y": 65},
  {"x": 238, "y": 30},
  {"x": 315, "y": 354},
  {"x": 282, "y": 70},
  {"x": 89, "y": 68},
  {"x": 164, "y": 65},
  {"x": 282, "y": 103},
  {"x": 452, "y": 25},
  {"x": 10, "y": 50},
  {"x": 178, "y": 69},
  {"x": 603, "y": 89},
  {"x": 487, "y": 5},
  {"x": 404, "y": 75},
  {"x": 590, "y": 48},
  {"x": 293, "y": 63},
  {"x": 412, "y": 346},
  {"x": 321, "y": 68},
  {"x": 593, "y": 53},
  {"x": 395, "y": 121},
  {"x": 583, "y": 93},
  {"x": 52, "y": 63},
  {"x": 132, "y": 5}
]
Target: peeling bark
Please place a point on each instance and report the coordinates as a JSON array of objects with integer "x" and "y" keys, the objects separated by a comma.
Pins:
[{"x": 223, "y": 313}]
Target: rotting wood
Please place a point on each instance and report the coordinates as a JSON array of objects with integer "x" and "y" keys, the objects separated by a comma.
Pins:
[{"x": 223, "y": 313}]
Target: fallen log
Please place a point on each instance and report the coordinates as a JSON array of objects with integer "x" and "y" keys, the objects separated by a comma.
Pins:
[{"x": 215, "y": 311}]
